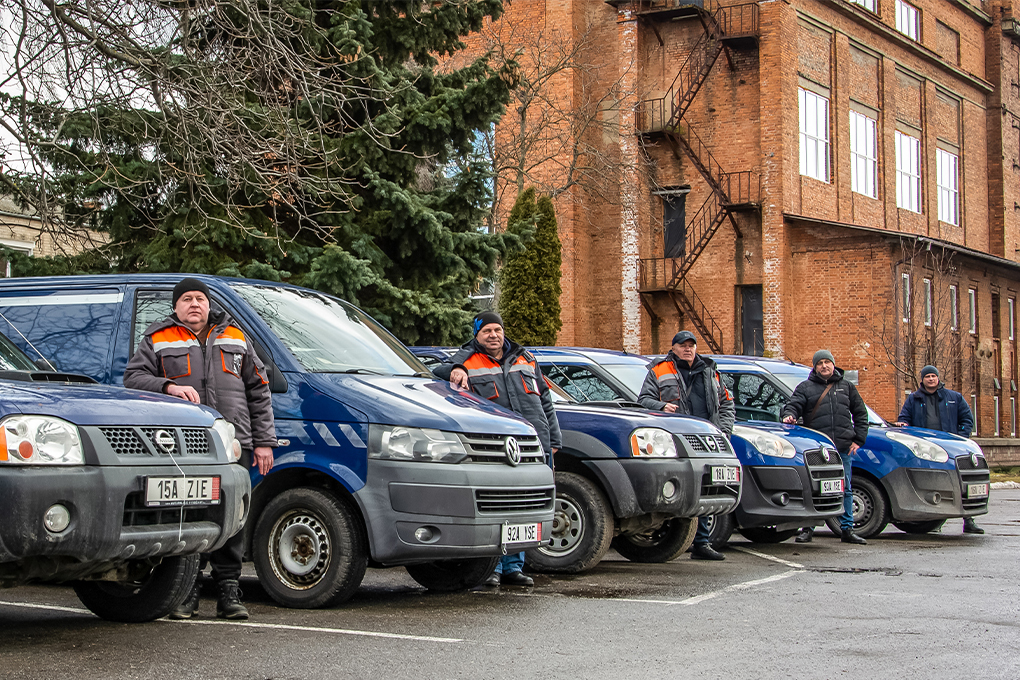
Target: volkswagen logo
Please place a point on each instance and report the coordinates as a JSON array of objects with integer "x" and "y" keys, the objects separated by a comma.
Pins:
[
  {"x": 165, "y": 440},
  {"x": 711, "y": 443},
  {"x": 825, "y": 455},
  {"x": 513, "y": 451}
]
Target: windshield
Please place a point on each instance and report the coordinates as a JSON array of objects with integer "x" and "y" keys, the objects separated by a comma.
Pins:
[
  {"x": 793, "y": 375},
  {"x": 631, "y": 375},
  {"x": 12, "y": 358},
  {"x": 327, "y": 335}
]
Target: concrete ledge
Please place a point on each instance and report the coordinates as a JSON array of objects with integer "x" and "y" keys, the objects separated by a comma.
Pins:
[{"x": 1000, "y": 452}]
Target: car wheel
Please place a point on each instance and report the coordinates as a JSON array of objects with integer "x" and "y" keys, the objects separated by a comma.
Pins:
[
  {"x": 152, "y": 594},
  {"x": 721, "y": 527},
  {"x": 871, "y": 511},
  {"x": 767, "y": 534},
  {"x": 309, "y": 549},
  {"x": 447, "y": 576},
  {"x": 666, "y": 543},
  {"x": 582, "y": 528},
  {"x": 920, "y": 527}
]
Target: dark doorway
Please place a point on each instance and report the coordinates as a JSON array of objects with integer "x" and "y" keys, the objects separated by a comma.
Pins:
[
  {"x": 674, "y": 225},
  {"x": 752, "y": 321}
]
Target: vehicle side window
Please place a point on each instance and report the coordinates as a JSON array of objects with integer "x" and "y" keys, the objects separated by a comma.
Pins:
[
  {"x": 152, "y": 306},
  {"x": 580, "y": 383},
  {"x": 754, "y": 396}
]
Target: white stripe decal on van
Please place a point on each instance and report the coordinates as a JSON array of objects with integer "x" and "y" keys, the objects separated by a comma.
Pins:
[
  {"x": 353, "y": 436},
  {"x": 64, "y": 299},
  {"x": 326, "y": 434}
]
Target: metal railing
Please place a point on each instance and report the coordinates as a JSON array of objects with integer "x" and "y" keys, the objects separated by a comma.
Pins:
[{"x": 699, "y": 314}]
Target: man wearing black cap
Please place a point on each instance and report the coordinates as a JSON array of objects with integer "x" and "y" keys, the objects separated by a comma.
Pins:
[
  {"x": 831, "y": 404},
  {"x": 504, "y": 372},
  {"x": 206, "y": 359},
  {"x": 687, "y": 383},
  {"x": 936, "y": 407}
]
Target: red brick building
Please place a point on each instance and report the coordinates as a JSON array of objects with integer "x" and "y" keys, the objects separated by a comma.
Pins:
[{"x": 804, "y": 174}]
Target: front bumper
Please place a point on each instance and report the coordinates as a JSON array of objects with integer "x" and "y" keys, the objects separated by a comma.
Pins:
[
  {"x": 789, "y": 496},
  {"x": 463, "y": 506},
  {"x": 638, "y": 486},
  {"x": 920, "y": 494},
  {"x": 109, "y": 522}
]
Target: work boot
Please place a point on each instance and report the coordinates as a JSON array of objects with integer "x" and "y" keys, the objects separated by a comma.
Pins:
[
  {"x": 850, "y": 537},
  {"x": 706, "y": 552},
  {"x": 516, "y": 578},
  {"x": 971, "y": 527},
  {"x": 493, "y": 580},
  {"x": 805, "y": 535},
  {"x": 229, "y": 606},
  {"x": 188, "y": 608}
]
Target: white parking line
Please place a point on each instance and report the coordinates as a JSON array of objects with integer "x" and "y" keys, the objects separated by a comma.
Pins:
[
  {"x": 248, "y": 624},
  {"x": 795, "y": 565},
  {"x": 697, "y": 599}
]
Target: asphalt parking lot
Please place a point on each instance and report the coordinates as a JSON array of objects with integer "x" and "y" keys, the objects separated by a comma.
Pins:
[{"x": 901, "y": 607}]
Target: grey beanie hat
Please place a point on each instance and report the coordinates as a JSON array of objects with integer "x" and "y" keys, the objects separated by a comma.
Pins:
[
  {"x": 822, "y": 354},
  {"x": 928, "y": 369}
]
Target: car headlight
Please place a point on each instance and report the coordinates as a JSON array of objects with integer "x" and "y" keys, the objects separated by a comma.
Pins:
[
  {"x": 390, "y": 442},
  {"x": 765, "y": 442},
  {"x": 921, "y": 448},
  {"x": 228, "y": 436},
  {"x": 651, "y": 442},
  {"x": 40, "y": 440}
]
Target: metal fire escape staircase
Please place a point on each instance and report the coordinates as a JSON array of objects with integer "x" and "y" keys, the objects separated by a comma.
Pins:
[{"x": 730, "y": 191}]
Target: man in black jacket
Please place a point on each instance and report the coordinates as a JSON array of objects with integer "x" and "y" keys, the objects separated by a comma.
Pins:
[{"x": 830, "y": 404}]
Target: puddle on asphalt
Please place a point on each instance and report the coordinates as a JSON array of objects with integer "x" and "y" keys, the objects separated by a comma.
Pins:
[{"x": 887, "y": 571}]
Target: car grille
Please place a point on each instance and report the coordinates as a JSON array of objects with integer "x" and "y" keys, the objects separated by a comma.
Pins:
[
  {"x": 818, "y": 469},
  {"x": 495, "y": 501},
  {"x": 971, "y": 474},
  {"x": 136, "y": 514},
  {"x": 707, "y": 443},
  {"x": 712, "y": 491},
  {"x": 491, "y": 448},
  {"x": 131, "y": 441}
]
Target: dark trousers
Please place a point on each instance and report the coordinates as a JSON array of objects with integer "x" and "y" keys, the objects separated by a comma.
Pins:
[{"x": 226, "y": 561}]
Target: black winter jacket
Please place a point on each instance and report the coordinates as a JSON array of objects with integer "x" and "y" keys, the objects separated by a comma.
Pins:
[{"x": 842, "y": 416}]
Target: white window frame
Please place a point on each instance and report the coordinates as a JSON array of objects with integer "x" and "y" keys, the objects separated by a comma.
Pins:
[
  {"x": 863, "y": 154},
  {"x": 954, "y": 307},
  {"x": 19, "y": 246},
  {"x": 866, "y": 4},
  {"x": 997, "y": 424},
  {"x": 974, "y": 411},
  {"x": 1011, "y": 306},
  {"x": 814, "y": 135},
  {"x": 907, "y": 20},
  {"x": 948, "y": 184},
  {"x": 927, "y": 302},
  {"x": 1012, "y": 416},
  {"x": 972, "y": 296},
  {"x": 908, "y": 172},
  {"x": 905, "y": 299}
]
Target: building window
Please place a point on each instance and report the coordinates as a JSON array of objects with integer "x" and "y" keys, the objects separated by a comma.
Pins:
[
  {"x": 814, "y": 135},
  {"x": 1012, "y": 416},
  {"x": 996, "y": 325},
  {"x": 954, "y": 308},
  {"x": 908, "y": 172},
  {"x": 905, "y": 278},
  {"x": 906, "y": 20},
  {"x": 866, "y": 4},
  {"x": 948, "y": 183},
  {"x": 996, "y": 400},
  {"x": 863, "y": 155},
  {"x": 973, "y": 310},
  {"x": 974, "y": 412},
  {"x": 1011, "y": 309},
  {"x": 927, "y": 302}
]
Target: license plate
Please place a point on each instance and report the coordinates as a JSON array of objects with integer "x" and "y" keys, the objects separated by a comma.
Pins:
[
  {"x": 977, "y": 490},
  {"x": 162, "y": 491},
  {"x": 521, "y": 533},
  {"x": 832, "y": 486},
  {"x": 725, "y": 475}
]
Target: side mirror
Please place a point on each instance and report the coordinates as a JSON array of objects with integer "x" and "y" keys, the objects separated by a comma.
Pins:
[
  {"x": 44, "y": 365},
  {"x": 277, "y": 381}
]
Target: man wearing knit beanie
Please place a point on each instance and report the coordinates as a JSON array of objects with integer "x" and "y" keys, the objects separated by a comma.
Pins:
[
  {"x": 936, "y": 407},
  {"x": 829, "y": 403},
  {"x": 505, "y": 373}
]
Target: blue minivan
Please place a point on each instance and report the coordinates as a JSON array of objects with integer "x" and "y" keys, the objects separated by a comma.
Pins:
[{"x": 378, "y": 464}]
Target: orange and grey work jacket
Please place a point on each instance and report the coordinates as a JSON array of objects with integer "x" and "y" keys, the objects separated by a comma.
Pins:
[
  {"x": 664, "y": 385},
  {"x": 515, "y": 382},
  {"x": 222, "y": 367}
]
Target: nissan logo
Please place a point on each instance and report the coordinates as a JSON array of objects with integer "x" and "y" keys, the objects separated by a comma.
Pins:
[
  {"x": 165, "y": 440},
  {"x": 513, "y": 451},
  {"x": 711, "y": 443}
]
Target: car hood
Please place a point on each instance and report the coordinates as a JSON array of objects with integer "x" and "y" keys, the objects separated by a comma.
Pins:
[
  {"x": 954, "y": 445},
  {"x": 802, "y": 438},
  {"x": 632, "y": 418},
  {"x": 418, "y": 402},
  {"x": 102, "y": 405}
]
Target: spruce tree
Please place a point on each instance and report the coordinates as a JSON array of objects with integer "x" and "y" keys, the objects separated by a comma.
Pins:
[
  {"x": 380, "y": 198},
  {"x": 529, "y": 299}
]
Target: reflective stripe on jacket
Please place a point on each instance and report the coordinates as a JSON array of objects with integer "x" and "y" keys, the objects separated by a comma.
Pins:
[
  {"x": 227, "y": 375},
  {"x": 664, "y": 385}
]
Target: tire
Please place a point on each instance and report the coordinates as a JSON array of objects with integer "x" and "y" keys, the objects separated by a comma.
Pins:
[
  {"x": 660, "y": 545},
  {"x": 920, "y": 527},
  {"x": 721, "y": 528},
  {"x": 582, "y": 528},
  {"x": 309, "y": 549},
  {"x": 767, "y": 534},
  {"x": 146, "y": 599},
  {"x": 447, "y": 576},
  {"x": 871, "y": 511}
]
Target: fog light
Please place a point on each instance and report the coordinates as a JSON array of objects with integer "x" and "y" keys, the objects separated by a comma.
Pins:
[
  {"x": 668, "y": 490},
  {"x": 57, "y": 518},
  {"x": 934, "y": 498},
  {"x": 423, "y": 534},
  {"x": 781, "y": 498}
]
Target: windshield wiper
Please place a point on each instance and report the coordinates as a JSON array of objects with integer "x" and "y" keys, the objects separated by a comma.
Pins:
[{"x": 363, "y": 371}]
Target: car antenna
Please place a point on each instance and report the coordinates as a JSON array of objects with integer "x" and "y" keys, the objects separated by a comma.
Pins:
[{"x": 50, "y": 363}]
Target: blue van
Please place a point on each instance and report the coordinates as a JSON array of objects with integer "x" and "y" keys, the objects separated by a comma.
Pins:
[{"x": 378, "y": 464}]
